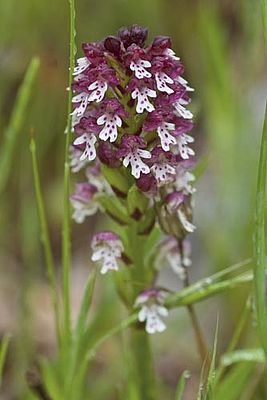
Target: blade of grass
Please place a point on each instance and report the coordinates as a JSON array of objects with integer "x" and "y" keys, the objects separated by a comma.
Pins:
[
  {"x": 211, "y": 373},
  {"x": 259, "y": 242},
  {"x": 86, "y": 303},
  {"x": 235, "y": 338},
  {"x": 90, "y": 352},
  {"x": 66, "y": 204},
  {"x": 248, "y": 355},
  {"x": 16, "y": 121},
  {"x": 181, "y": 386},
  {"x": 51, "y": 381},
  {"x": 204, "y": 289},
  {"x": 50, "y": 265},
  {"x": 264, "y": 19},
  {"x": 3, "y": 353},
  {"x": 79, "y": 331},
  {"x": 235, "y": 383}
]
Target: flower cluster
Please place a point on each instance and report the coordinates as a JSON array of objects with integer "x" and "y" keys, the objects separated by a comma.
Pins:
[{"x": 130, "y": 113}]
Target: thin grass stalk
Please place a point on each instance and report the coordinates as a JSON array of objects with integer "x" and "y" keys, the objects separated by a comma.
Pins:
[
  {"x": 200, "y": 339},
  {"x": 49, "y": 260},
  {"x": 260, "y": 242},
  {"x": 66, "y": 240},
  {"x": 264, "y": 19},
  {"x": 234, "y": 340},
  {"x": 3, "y": 354},
  {"x": 16, "y": 121}
]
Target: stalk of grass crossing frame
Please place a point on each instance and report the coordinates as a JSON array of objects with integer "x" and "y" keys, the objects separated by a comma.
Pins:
[
  {"x": 66, "y": 205},
  {"x": 45, "y": 237}
]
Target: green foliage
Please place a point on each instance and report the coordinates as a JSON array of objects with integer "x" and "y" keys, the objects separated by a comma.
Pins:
[
  {"x": 219, "y": 42},
  {"x": 260, "y": 242},
  {"x": 3, "y": 353},
  {"x": 181, "y": 385},
  {"x": 7, "y": 153}
]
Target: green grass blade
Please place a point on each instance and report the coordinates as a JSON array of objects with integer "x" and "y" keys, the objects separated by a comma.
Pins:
[
  {"x": 66, "y": 243},
  {"x": 51, "y": 382},
  {"x": 264, "y": 19},
  {"x": 3, "y": 353},
  {"x": 235, "y": 338},
  {"x": 16, "y": 122},
  {"x": 50, "y": 265},
  {"x": 181, "y": 386},
  {"x": 259, "y": 242},
  {"x": 204, "y": 289},
  {"x": 86, "y": 303},
  {"x": 211, "y": 374},
  {"x": 235, "y": 383},
  {"x": 90, "y": 352},
  {"x": 247, "y": 355},
  {"x": 79, "y": 332}
]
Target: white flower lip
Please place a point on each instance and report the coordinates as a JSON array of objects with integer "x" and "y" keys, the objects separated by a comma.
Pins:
[
  {"x": 143, "y": 102},
  {"x": 161, "y": 80},
  {"x": 134, "y": 158},
  {"x": 139, "y": 68},
  {"x": 89, "y": 139},
  {"x": 108, "y": 251},
  {"x": 111, "y": 124}
]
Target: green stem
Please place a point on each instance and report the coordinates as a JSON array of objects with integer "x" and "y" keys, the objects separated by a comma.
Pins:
[
  {"x": 143, "y": 370},
  {"x": 200, "y": 339},
  {"x": 66, "y": 204},
  {"x": 45, "y": 237}
]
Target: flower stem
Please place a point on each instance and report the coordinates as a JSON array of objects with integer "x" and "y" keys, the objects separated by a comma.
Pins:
[
  {"x": 143, "y": 369},
  {"x": 199, "y": 336}
]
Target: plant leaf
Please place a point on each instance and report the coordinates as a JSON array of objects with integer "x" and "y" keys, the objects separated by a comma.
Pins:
[
  {"x": 259, "y": 242},
  {"x": 16, "y": 121},
  {"x": 248, "y": 355},
  {"x": 3, "y": 353},
  {"x": 181, "y": 385}
]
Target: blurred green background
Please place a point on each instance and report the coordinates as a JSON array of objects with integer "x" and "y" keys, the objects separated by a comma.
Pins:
[{"x": 221, "y": 44}]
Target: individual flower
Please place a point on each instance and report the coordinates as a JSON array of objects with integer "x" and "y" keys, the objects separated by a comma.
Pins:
[
  {"x": 165, "y": 135},
  {"x": 163, "y": 166},
  {"x": 181, "y": 110},
  {"x": 142, "y": 95},
  {"x": 184, "y": 150},
  {"x": 183, "y": 180},
  {"x": 131, "y": 150},
  {"x": 88, "y": 140},
  {"x": 107, "y": 247},
  {"x": 180, "y": 206},
  {"x": 151, "y": 303},
  {"x": 76, "y": 164},
  {"x": 87, "y": 131},
  {"x": 111, "y": 119},
  {"x": 140, "y": 68},
  {"x": 82, "y": 64},
  {"x": 169, "y": 255},
  {"x": 83, "y": 201},
  {"x": 162, "y": 81}
]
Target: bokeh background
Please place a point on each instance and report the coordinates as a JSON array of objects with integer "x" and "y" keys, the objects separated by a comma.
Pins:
[{"x": 221, "y": 45}]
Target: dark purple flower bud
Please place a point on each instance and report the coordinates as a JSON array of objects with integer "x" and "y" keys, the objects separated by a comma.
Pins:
[
  {"x": 84, "y": 192},
  {"x": 107, "y": 154},
  {"x": 147, "y": 183},
  {"x": 94, "y": 52},
  {"x": 161, "y": 43},
  {"x": 113, "y": 45},
  {"x": 136, "y": 35},
  {"x": 174, "y": 200}
]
